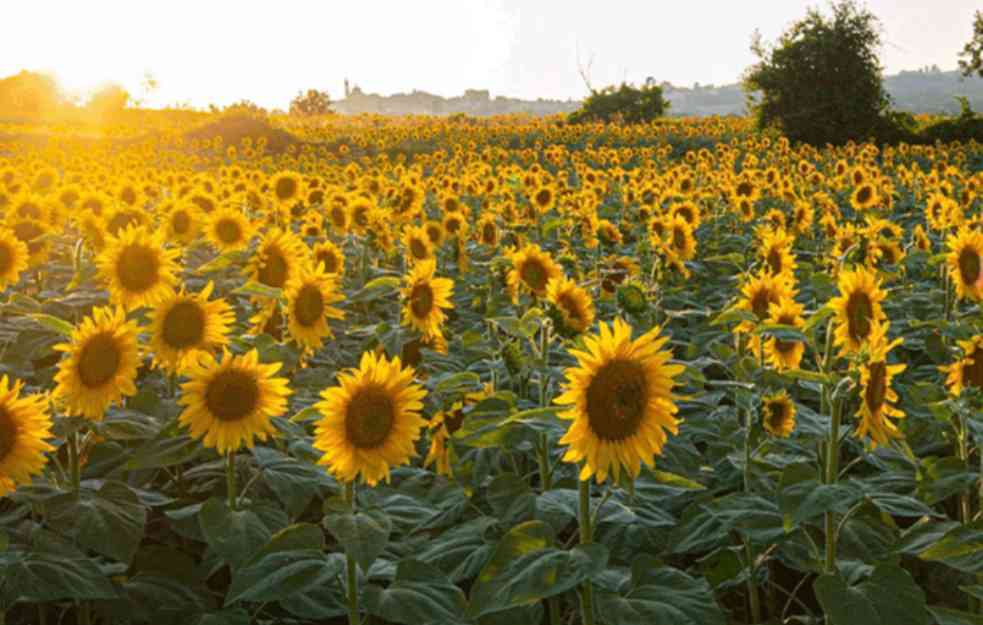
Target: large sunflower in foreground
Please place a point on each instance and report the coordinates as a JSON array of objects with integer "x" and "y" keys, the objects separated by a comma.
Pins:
[
  {"x": 573, "y": 306},
  {"x": 967, "y": 372},
  {"x": 426, "y": 296},
  {"x": 309, "y": 295},
  {"x": 25, "y": 427},
  {"x": 14, "y": 258},
  {"x": 370, "y": 421},
  {"x": 965, "y": 261},
  {"x": 101, "y": 364},
  {"x": 532, "y": 270},
  {"x": 877, "y": 396},
  {"x": 138, "y": 271},
  {"x": 620, "y": 401},
  {"x": 185, "y": 326},
  {"x": 229, "y": 403},
  {"x": 857, "y": 308}
]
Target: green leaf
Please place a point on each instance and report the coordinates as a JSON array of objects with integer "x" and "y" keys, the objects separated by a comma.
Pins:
[
  {"x": 109, "y": 521},
  {"x": 363, "y": 535},
  {"x": 948, "y": 616},
  {"x": 293, "y": 482},
  {"x": 782, "y": 332},
  {"x": 960, "y": 548},
  {"x": 941, "y": 478},
  {"x": 419, "y": 594},
  {"x": 660, "y": 596},
  {"x": 166, "y": 451},
  {"x": 889, "y": 597},
  {"x": 234, "y": 616},
  {"x": 38, "y": 577},
  {"x": 56, "y": 325},
  {"x": 235, "y": 535},
  {"x": 734, "y": 315},
  {"x": 460, "y": 382},
  {"x": 148, "y": 596},
  {"x": 526, "y": 568},
  {"x": 378, "y": 288},
  {"x": 256, "y": 289}
]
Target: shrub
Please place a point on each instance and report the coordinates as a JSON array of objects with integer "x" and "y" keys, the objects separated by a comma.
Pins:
[
  {"x": 313, "y": 102},
  {"x": 627, "y": 104}
]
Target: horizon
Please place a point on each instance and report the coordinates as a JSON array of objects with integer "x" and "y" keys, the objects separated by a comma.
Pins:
[{"x": 204, "y": 55}]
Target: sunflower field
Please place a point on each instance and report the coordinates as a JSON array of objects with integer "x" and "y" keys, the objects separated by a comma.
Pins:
[{"x": 513, "y": 371}]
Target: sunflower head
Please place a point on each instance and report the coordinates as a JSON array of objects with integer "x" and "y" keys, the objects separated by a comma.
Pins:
[
  {"x": 532, "y": 270},
  {"x": 229, "y": 403},
  {"x": 229, "y": 229},
  {"x": 137, "y": 268},
  {"x": 857, "y": 308},
  {"x": 310, "y": 295},
  {"x": 370, "y": 420},
  {"x": 571, "y": 307},
  {"x": 877, "y": 397},
  {"x": 778, "y": 414},
  {"x": 965, "y": 262},
  {"x": 186, "y": 326},
  {"x": 426, "y": 298},
  {"x": 14, "y": 258},
  {"x": 619, "y": 399},
  {"x": 25, "y": 427},
  {"x": 967, "y": 371},
  {"x": 278, "y": 258}
]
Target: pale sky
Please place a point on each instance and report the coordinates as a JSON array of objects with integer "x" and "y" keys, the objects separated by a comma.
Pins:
[{"x": 220, "y": 51}]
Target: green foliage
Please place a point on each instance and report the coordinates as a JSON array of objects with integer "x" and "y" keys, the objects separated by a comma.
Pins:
[
  {"x": 821, "y": 82},
  {"x": 971, "y": 57},
  {"x": 625, "y": 104},
  {"x": 311, "y": 102}
]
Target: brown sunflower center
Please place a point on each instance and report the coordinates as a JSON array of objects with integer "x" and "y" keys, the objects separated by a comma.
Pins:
[
  {"x": 6, "y": 258},
  {"x": 569, "y": 305},
  {"x": 859, "y": 312},
  {"x": 775, "y": 414},
  {"x": 330, "y": 261},
  {"x": 181, "y": 222},
  {"x": 418, "y": 249},
  {"x": 452, "y": 226},
  {"x": 786, "y": 346},
  {"x": 533, "y": 273},
  {"x": 454, "y": 420},
  {"x": 969, "y": 266},
  {"x": 369, "y": 418},
  {"x": 286, "y": 188},
  {"x": 775, "y": 260},
  {"x": 232, "y": 395},
  {"x": 864, "y": 195},
  {"x": 137, "y": 268},
  {"x": 876, "y": 390},
  {"x": 617, "y": 398},
  {"x": 759, "y": 303},
  {"x": 339, "y": 217},
  {"x": 228, "y": 231},
  {"x": 99, "y": 360},
  {"x": 8, "y": 433},
  {"x": 543, "y": 197},
  {"x": 273, "y": 272},
  {"x": 184, "y": 325},
  {"x": 743, "y": 188},
  {"x": 421, "y": 300},
  {"x": 679, "y": 238},
  {"x": 973, "y": 370},
  {"x": 309, "y": 305}
]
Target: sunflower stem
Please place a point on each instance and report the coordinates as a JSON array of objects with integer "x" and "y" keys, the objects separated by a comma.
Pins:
[
  {"x": 752, "y": 589},
  {"x": 586, "y": 537},
  {"x": 75, "y": 471},
  {"x": 545, "y": 475},
  {"x": 230, "y": 479},
  {"x": 353, "y": 616},
  {"x": 84, "y": 618},
  {"x": 832, "y": 475}
]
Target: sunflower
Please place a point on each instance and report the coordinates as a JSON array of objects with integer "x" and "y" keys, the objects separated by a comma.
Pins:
[
  {"x": 442, "y": 427},
  {"x": 865, "y": 197},
  {"x": 920, "y": 239},
  {"x": 857, "y": 308},
  {"x": 681, "y": 240},
  {"x": 33, "y": 233},
  {"x": 877, "y": 395},
  {"x": 286, "y": 187},
  {"x": 370, "y": 421},
  {"x": 781, "y": 354},
  {"x": 532, "y": 270},
  {"x": 229, "y": 403},
  {"x": 967, "y": 372},
  {"x": 965, "y": 260},
  {"x": 101, "y": 365},
  {"x": 417, "y": 243},
  {"x": 426, "y": 297},
  {"x": 572, "y": 307},
  {"x": 620, "y": 401},
  {"x": 278, "y": 258},
  {"x": 543, "y": 199},
  {"x": 185, "y": 326},
  {"x": 309, "y": 295},
  {"x": 778, "y": 414},
  {"x": 435, "y": 230},
  {"x": 25, "y": 427},
  {"x": 137, "y": 268},
  {"x": 330, "y": 256},
  {"x": 486, "y": 230},
  {"x": 340, "y": 217},
  {"x": 776, "y": 251},
  {"x": 13, "y": 258},
  {"x": 938, "y": 211},
  {"x": 228, "y": 229},
  {"x": 759, "y": 292},
  {"x": 182, "y": 223}
]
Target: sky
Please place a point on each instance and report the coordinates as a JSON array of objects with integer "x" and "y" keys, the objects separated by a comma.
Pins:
[{"x": 204, "y": 52}]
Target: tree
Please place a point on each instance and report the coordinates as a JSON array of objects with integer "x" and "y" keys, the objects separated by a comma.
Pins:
[
  {"x": 108, "y": 101},
  {"x": 821, "y": 82},
  {"x": 627, "y": 104},
  {"x": 29, "y": 93},
  {"x": 971, "y": 60},
  {"x": 313, "y": 102}
]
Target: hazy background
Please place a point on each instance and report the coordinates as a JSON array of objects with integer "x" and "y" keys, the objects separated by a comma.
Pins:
[{"x": 219, "y": 51}]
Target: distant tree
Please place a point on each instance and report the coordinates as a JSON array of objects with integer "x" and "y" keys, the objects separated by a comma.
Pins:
[
  {"x": 971, "y": 60},
  {"x": 627, "y": 104},
  {"x": 246, "y": 107},
  {"x": 313, "y": 102},
  {"x": 821, "y": 82},
  {"x": 29, "y": 93},
  {"x": 108, "y": 101}
]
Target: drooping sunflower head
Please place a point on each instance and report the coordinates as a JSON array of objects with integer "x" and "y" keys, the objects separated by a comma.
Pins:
[
  {"x": 310, "y": 295},
  {"x": 278, "y": 258},
  {"x": 681, "y": 239},
  {"x": 330, "y": 257},
  {"x": 857, "y": 308},
  {"x": 487, "y": 230},
  {"x": 572, "y": 307},
  {"x": 426, "y": 298},
  {"x": 965, "y": 261},
  {"x": 532, "y": 270},
  {"x": 778, "y": 414},
  {"x": 783, "y": 354},
  {"x": 619, "y": 398},
  {"x": 370, "y": 420},
  {"x": 25, "y": 427},
  {"x": 14, "y": 258},
  {"x": 229, "y": 229},
  {"x": 877, "y": 396},
  {"x": 967, "y": 371},
  {"x": 137, "y": 269},
  {"x": 444, "y": 425},
  {"x": 229, "y": 403},
  {"x": 186, "y": 326},
  {"x": 100, "y": 365}
]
